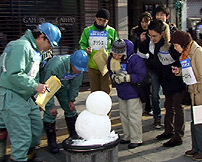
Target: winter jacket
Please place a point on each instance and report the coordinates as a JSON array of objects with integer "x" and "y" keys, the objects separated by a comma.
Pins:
[
  {"x": 135, "y": 36},
  {"x": 84, "y": 42},
  {"x": 60, "y": 66},
  {"x": 135, "y": 66},
  {"x": 19, "y": 66},
  {"x": 196, "y": 60},
  {"x": 169, "y": 82}
]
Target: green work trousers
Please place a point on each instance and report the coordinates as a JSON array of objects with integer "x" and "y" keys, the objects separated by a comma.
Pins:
[{"x": 22, "y": 119}]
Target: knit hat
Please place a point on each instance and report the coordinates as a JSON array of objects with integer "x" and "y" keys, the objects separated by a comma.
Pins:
[
  {"x": 180, "y": 37},
  {"x": 119, "y": 47},
  {"x": 103, "y": 13}
]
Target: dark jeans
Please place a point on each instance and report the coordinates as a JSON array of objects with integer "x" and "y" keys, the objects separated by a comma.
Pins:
[
  {"x": 174, "y": 117},
  {"x": 155, "y": 96}
]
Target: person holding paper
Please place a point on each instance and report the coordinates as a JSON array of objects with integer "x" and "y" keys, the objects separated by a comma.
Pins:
[
  {"x": 126, "y": 67},
  {"x": 191, "y": 71},
  {"x": 69, "y": 70},
  {"x": 19, "y": 81},
  {"x": 93, "y": 38}
]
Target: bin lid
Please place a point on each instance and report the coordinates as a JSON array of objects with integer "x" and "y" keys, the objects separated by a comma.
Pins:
[{"x": 67, "y": 145}]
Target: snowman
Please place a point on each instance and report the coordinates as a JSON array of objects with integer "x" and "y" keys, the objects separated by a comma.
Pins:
[{"x": 94, "y": 123}]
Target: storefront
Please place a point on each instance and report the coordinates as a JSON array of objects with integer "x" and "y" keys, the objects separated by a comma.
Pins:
[{"x": 71, "y": 16}]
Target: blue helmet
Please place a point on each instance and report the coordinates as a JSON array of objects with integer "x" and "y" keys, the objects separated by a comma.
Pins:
[
  {"x": 80, "y": 60},
  {"x": 52, "y": 32}
]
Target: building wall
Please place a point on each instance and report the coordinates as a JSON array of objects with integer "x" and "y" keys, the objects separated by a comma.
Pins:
[{"x": 122, "y": 18}]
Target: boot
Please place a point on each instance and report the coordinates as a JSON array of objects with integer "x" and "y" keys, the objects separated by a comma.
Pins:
[
  {"x": 3, "y": 138},
  {"x": 70, "y": 121},
  {"x": 51, "y": 137}
]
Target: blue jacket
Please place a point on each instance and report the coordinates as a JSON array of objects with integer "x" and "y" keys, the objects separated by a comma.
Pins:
[{"x": 135, "y": 66}]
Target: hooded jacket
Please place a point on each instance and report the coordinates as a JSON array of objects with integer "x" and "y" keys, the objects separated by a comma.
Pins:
[{"x": 135, "y": 66}]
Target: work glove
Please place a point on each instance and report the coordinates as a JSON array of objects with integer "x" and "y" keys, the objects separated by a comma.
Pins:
[
  {"x": 122, "y": 77},
  {"x": 113, "y": 77}
]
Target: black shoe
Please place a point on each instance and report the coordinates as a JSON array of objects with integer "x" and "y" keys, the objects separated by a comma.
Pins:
[
  {"x": 134, "y": 145},
  {"x": 3, "y": 159},
  {"x": 172, "y": 143},
  {"x": 124, "y": 141},
  {"x": 36, "y": 160},
  {"x": 164, "y": 136}
]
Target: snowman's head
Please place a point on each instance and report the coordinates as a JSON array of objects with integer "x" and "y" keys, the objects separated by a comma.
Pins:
[{"x": 99, "y": 103}]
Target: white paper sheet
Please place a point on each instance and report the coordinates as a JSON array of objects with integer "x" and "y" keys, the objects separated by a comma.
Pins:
[{"x": 197, "y": 114}]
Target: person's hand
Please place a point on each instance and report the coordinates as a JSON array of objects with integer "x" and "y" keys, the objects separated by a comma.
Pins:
[
  {"x": 176, "y": 70},
  {"x": 54, "y": 111},
  {"x": 143, "y": 36},
  {"x": 122, "y": 77},
  {"x": 72, "y": 106},
  {"x": 41, "y": 88},
  {"x": 89, "y": 50},
  {"x": 113, "y": 77},
  {"x": 121, "y": 73}
]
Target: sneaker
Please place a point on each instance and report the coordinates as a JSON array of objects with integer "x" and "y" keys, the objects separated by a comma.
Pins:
[
  {"x": 146, "y": 113},
  {"x": 172, "y": 143},
  {"x": 190, "y": 152},
  {"x": 157, "y": 123},
  {"x": 164, "y": 136},
  {"x": 197, "y": 156},
  {"x": 150, "y": 113}
]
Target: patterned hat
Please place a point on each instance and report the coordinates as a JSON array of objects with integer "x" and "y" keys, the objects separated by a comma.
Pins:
[{"x": 119, "y": 47}]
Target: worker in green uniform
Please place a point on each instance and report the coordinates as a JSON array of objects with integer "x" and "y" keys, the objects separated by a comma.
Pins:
[
  {"x": 69, "y": 69},
  {"x": 19, "y": 80}
]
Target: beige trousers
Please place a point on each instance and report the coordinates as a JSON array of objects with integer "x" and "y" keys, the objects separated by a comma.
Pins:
[
  {"x": 99, "y": 82},
  {"x": 131, "y": 118}
]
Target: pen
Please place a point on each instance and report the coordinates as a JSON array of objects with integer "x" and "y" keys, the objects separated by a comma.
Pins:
[{"x": 47, "y": 89}]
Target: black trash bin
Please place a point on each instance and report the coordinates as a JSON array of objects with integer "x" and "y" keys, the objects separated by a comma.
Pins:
[{"x": 94, "y": 153}]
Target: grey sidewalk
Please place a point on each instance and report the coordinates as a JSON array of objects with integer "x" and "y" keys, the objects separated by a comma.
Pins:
[{"x": 151, "y": 150}]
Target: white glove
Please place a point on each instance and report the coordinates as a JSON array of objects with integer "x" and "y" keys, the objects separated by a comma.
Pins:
[
  {"x": 113, "y": 77},
  {"x": 122, "y": 78},
  {"x": 121, "y": 72}
]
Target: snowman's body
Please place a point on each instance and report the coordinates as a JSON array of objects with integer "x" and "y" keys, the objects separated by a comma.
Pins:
[{"x": 94, "y": 123}]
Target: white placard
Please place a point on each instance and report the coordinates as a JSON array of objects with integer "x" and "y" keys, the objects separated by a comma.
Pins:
[{"x": 197, "y": 114}]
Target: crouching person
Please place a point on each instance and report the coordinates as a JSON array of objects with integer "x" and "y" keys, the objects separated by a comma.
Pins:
[{"x": 68, "y": 68}]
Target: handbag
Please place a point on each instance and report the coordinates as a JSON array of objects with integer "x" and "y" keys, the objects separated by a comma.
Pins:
[{"x": 142, "y": 89}]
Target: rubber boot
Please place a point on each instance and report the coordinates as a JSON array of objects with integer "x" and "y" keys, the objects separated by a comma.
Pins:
[
  {"x": 51, "y": 137},
  {"x": 70, "y": 121},
  {"x": 3, "y": 138}
]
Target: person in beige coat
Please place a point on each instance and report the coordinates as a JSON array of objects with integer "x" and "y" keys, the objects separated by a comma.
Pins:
[{"x": 191, "y": 71}]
